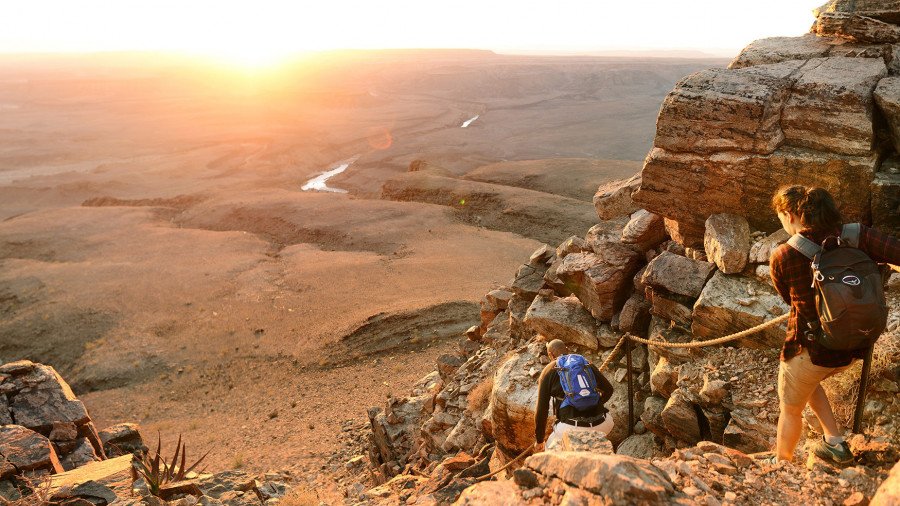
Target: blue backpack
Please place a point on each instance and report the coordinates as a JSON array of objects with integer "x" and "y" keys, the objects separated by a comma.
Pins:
[{"x": 578, "y": 382}]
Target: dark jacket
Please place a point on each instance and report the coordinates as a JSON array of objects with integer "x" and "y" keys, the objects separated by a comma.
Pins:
[{"x": 550, "y": 388}]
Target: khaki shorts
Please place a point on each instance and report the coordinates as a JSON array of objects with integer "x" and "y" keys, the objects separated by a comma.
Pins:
[{"x": 799, "y": 377}]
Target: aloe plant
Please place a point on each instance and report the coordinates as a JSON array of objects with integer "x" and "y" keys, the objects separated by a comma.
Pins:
[{"x": 152, "y": 467}]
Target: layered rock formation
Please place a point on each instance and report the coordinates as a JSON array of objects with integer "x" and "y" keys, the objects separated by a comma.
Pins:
[{"x": 817, "y": 109}]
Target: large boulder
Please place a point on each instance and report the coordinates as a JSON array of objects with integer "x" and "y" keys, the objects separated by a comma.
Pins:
[
  {"x": 830, "y": 105},
  {"x": 24, "y": 450},
  {"x": 514, "y": 399},
  {"x": 621, "y": 479},
  {"x": 887, "y": 96},
  {"x": 562, "y": 318},
  {"x": 677, "y": 274},
  {"x": 689, "y": 187},
  {"x": 601, "y": 280},
  {"x": 726, "y": 110},
  {"x": 727, "y": 242},
  {"x": 613, "y": 199},
  {"x": 731, "y": 304}
]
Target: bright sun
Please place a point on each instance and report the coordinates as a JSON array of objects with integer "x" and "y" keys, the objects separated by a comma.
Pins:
[{"x": 249, "y": 56}]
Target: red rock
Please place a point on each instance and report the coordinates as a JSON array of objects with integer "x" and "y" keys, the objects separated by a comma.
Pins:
[{"x": 601, "y": 280}]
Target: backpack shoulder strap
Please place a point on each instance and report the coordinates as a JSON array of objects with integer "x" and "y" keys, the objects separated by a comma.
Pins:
[
  {"x": 804, "y": 245},
  {"x": 850, "y": 234}
]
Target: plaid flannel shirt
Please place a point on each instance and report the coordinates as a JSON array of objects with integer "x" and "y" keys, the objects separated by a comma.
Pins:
[{"x": 792, "y": 277}]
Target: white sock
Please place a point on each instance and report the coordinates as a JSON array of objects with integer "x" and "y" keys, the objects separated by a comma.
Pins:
[{"x": 834, "y": 440}]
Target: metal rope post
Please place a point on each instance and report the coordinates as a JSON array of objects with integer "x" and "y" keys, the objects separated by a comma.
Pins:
[
  {"x": 630, "y": 387},
  {"x": 861, "y": 396}
]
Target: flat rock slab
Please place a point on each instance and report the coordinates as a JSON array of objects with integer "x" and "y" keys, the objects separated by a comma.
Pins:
[
  {"x": 623, "y": 479},
  {"x": 779, "y": 49},
  {"x": 690, "y": 187},
  {"x": 731, "y": 304},
  {"x": 95, "y": 471},
  {"x": 830, "y": 105},
  {"x": 562, "y": 318},
  {"x": 677, "y": 274},
  {"x": 27, "y": 450},
  {"x": 601, "y": 279}
]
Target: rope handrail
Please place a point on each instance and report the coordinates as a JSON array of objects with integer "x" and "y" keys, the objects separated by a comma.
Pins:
[{"x": 711, "y": 342}]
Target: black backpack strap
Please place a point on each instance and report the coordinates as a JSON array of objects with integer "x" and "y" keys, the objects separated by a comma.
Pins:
[
  {"x": 850, "y": 234},
  {"x": 804, "y": 245}
]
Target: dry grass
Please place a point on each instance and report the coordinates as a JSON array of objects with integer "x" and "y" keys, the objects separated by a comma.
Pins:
[
  {"x": 300, "y": 496},
  {"x": 843, "y": 388},
  {"x": 39, "y": 496},
  {"x": 480, "y": 395}
]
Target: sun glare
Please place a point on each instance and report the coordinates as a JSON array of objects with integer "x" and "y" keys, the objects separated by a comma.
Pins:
[{"x": 251, "y": 57}]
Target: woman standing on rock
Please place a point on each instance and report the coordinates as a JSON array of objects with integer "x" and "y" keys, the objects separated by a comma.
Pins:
[{"x": 805, "y": 362}]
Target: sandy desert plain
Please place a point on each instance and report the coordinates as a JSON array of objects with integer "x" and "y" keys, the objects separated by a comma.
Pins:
[{"x": 157, "y": 249}]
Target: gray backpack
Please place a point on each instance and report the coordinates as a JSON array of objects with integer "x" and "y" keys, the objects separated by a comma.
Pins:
[{"x": 849, "y": 290}]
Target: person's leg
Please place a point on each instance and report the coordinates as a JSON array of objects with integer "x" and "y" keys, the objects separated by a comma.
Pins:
[
  {"x": 797, "y": 379},
  {"x": 820, "y": 405}
]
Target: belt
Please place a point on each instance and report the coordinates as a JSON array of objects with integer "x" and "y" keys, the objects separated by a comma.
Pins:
[{"x": 586, "y": 423}]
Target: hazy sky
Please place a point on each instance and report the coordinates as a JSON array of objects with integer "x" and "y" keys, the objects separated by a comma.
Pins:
[{"x": 262, "y": 29}]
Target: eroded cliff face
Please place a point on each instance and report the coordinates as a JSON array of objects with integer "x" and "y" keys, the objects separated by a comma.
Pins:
[
  {"x": 680, "y": 255},
  {"x": 817, "y": 110}
]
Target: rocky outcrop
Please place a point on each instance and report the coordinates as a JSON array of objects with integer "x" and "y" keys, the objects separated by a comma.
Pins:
[{"x": 41, "y": 401}]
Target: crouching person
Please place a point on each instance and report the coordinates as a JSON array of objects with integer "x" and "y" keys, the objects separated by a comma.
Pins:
[{"x": 578, "y": 392}]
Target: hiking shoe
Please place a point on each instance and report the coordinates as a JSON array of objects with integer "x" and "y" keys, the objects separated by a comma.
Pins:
[{"x": 839, "y": 453}]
